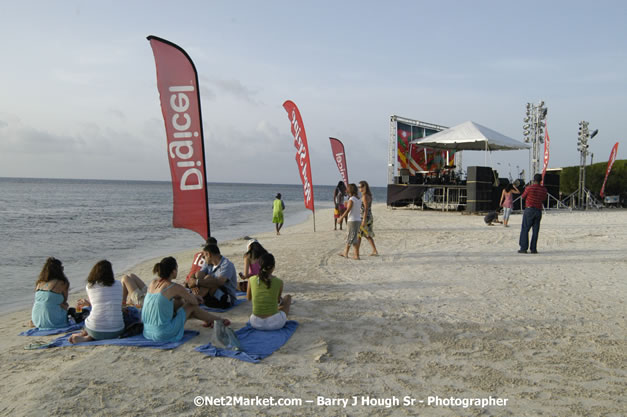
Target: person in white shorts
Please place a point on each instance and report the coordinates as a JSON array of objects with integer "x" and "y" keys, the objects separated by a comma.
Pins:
[{"x": 264, "y": 290}]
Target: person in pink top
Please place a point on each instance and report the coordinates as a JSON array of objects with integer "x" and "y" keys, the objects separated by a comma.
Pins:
[
  {"x": 251, "y": 262},
  {"x": 507, "y": 201}
]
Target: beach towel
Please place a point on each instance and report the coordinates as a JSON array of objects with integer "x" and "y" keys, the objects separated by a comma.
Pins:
[
  {"x": 240, "y": 293},
  {"x": 48, "y": 332},
  {"x": 222, "y": 310},
  {"x": 137, "y": 341},
  {"x": 255, "y": 344}
]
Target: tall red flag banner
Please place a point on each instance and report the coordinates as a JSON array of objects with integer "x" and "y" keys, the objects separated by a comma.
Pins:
[
  {"x": 177, "y": 82},
  {"x": 609, "y": 167},
  {"x": 302, "y": 152},
  {"x": 337, "y": 148},
  {"x": 546, "y": 151}
]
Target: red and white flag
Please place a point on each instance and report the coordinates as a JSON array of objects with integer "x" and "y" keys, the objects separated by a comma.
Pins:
[
  {"x": 177, "y": 82},
  {"x": 302, "y": 152},
  {"x": 546, "y": 151},
  {"x": 609, "y": 167},
  {"x": 337, "y": 148}
]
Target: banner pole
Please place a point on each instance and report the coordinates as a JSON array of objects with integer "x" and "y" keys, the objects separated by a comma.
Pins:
[{"x": 314, "y": 220}]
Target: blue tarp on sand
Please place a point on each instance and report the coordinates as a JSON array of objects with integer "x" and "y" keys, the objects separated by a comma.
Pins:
[
  {"x": 137, "y": 341},
  {"x": 49, "y": 332},
  {"x": 256, "y": 344}
]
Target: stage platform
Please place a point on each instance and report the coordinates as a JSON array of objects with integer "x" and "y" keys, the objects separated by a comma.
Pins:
[{"x": 430, "y": 196}]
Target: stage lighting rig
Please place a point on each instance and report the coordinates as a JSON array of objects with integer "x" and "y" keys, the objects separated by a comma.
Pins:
[
  {"x": 533, "y": 132},
  {"x": 582, "y": 146}
]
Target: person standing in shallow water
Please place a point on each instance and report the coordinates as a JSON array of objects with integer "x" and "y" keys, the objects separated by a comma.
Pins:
[
  {"x": 277, "y": 213},
  {"x": 366, "y": 230}
]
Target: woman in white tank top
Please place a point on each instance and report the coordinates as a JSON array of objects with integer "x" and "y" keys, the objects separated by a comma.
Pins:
[
  {"x": 353, "y": 216},
  {"x": 105, "y": 296}
]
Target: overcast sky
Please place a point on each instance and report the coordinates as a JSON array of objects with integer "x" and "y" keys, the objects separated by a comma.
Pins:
[{"x": 78, "y": 94}]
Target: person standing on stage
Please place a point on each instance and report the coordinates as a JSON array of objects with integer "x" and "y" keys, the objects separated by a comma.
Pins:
[
  {"x": 534, "y": 195},
  {"x": 277, "y": 213}
]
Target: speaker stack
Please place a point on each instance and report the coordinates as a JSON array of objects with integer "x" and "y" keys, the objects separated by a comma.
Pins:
[
  {"x": 479, "y": 189},
  {"x": 552, "y": 185}
]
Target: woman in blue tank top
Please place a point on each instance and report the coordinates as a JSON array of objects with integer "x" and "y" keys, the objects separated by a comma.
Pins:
[
  {"x": 51, "y": 289},
  {"x": 168, "y": 305}
]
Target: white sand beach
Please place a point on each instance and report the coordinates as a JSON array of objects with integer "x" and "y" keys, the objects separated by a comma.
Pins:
[{"x": 449, "y": 309}]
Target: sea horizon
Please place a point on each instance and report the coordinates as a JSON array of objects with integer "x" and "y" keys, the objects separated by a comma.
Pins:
[{"x": 81, "y": 221}]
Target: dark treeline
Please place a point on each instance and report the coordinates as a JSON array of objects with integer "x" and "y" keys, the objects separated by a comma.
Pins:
[{"x": 595, "y": 173}]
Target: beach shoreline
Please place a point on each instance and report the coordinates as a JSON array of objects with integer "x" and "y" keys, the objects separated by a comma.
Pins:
[{"x": 449, "y": 309}]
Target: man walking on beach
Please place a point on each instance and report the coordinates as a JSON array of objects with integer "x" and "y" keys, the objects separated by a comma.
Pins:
[{"x": 534, "y": 194}]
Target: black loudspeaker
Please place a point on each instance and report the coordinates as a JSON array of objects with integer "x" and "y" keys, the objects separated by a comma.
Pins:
[
  {"x": 479, "y": 195},
  {"x": 552, "y": 185},
  {"x": 480, "y": 174}
]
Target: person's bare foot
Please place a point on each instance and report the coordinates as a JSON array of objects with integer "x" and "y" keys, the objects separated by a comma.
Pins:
[
  {"x": 79, "y": 338},
  {"x": 374, "y": 254},
  {"x": 342, "y": 255}
]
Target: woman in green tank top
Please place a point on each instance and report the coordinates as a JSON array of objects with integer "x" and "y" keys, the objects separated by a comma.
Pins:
[{"x": 264, "y": 290}]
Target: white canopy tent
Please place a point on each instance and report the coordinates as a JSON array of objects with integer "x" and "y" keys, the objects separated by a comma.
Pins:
[{"x": 470, "y": 136}]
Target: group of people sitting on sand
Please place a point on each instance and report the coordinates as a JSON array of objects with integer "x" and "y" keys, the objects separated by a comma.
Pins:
[{"x": 165, "y": 305}]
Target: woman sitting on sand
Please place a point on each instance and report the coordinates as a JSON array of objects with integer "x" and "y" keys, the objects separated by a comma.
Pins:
[
  {"x": 105, "y": 297},
  {"x": 134, "y": 290},
  {"x": 264, "y": 290},
  {"x": 168, "y": 305},
  {"x": 353, "y": 217},
  {"x": 50, "y": 310},
  {"x": 251, "y": 262}
]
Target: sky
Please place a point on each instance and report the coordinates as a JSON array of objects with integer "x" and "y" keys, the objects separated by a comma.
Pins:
[{"x": 79, "y": 99}]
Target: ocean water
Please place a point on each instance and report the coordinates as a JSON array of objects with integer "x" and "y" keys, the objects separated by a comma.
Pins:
[{"x": 83, "y": 221}]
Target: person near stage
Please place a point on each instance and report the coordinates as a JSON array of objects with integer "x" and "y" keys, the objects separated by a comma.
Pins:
[
  {"x": 534, "y": 195},
  {"x": 277, "y": 213},
  {"x": 367, "y": 220},
  {"x": 353, "y": 216},
  {"x": 491, "y": 217},
  {"x": 507, "y": 201},
  {"x": 338, "y": 201},
  {"x": 169, "y": 305},
  {"x": 270, "y": 310},
  {"x": 217, "y": 280}
]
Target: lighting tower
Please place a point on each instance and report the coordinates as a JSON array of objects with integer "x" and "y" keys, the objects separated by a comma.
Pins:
[
  {"x": 582, "y": 146},
  {"x": 533, "y": 131}
]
